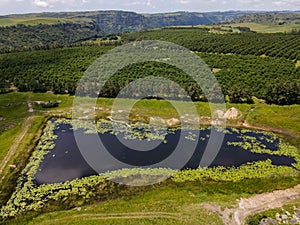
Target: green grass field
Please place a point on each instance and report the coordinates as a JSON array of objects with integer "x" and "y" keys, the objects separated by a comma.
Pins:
[
  {"x": 165, "y": 204},
  {"x": 6, "y": 139},
  {"x": 13, "y": 108},
  {"x": 259, "y": 27},
  {"x": 34, "y": 21},
  {"x": 267, "y": 27},
  {"x": 13, "y": 111},
  {"x": 282, "y": 117},
  {"x": 153, "y": 207},
  {"x": 168, "y": 204}
]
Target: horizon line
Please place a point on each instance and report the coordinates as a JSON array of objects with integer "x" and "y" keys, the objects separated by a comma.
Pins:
[{"x": 149, "y": 13}]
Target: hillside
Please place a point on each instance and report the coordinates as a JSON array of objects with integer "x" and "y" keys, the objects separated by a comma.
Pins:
[
  {"x": 51, "y": 30},
  {"x": 55, "y": 65},
  {"x": 44, "y": 36},
  {"x": 288, "y": 17},
  {"x": 235, "y": 62}
]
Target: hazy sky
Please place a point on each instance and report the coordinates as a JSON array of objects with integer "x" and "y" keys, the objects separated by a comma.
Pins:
[{"x": 24, "y": 6}]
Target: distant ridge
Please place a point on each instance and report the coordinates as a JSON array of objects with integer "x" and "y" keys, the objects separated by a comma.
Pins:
[
  {"x": 114, "y": 21},
  {"x": 34, "y": 31}
]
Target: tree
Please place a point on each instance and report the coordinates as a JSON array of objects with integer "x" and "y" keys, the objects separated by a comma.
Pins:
[
  {"x": 4, "y": 86},
  {"x": 239, "y": 95},
  {"x": 194, "y": 92},
  {"x": 215, "y": 94},
  {"x": 282, "y": 94}
]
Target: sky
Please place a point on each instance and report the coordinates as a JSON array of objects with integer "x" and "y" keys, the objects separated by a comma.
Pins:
[{"x": 144, "y": 6}]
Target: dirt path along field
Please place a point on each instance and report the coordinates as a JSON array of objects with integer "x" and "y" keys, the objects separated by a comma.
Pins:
[
  {"x": 18, "y": 139},
  {"x": 256, "y": 204}
]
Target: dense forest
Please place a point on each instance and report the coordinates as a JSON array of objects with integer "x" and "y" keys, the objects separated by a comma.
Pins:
[
  {"x": 74, "y": 27},
  {"x": 44, "y": 36},
  {"x": 240, "y": 77},
  {"x": 200, "y": 40},
  {"x": 56, "y": 70},
  {"x": 251, "y": 73},
  {"x": 281, "y": 18}
]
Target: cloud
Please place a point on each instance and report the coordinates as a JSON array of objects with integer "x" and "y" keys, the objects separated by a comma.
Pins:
[
  {"x": 184, "y": 2},
  {"x": 24, "y": 6},
  {"x": 42, "y": 4},
  {"x": 279, "y": 3},
  {"x": 140, "y": 3},
  {"x": 272, "y": 4},
  {"x": 286, "y": 3},
  {"x": 249, "y": 1},
  {"x": 53, "y": 3}
]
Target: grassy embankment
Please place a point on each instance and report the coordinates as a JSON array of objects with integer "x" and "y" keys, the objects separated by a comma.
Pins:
[
  {"x": 136, "y": 208},
  {"x": 14, "y": 111},
  {"x": 167, "y": 203}
]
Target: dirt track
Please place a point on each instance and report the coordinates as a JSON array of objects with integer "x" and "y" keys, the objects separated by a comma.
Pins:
[
  {"x": 245, "y": 124},
  {"x": 256, "y": 204},
  {"x": 18, "y": 139}
]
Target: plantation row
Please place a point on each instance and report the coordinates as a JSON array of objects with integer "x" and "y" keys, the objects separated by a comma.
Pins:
[
  {"x": 257, "y": 75},
  {"x": 240, "y": 77},
  {"x": 27, "y": 38},
  {"x": 275, "y": 45},
  {"x": 56, "y": 70}
]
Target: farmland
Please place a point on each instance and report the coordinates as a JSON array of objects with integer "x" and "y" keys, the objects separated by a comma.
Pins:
[{"x": 258, "y": 73}]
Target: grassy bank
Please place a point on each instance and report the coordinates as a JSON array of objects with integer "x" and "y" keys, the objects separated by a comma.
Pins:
[
  {"x": 20, "y": 157},
  {"x": 167, "y": 203},
  {"x": 13, "y": 110},
  {"x": 121, "y": 208},
  {"x": 281, "y": 117}
]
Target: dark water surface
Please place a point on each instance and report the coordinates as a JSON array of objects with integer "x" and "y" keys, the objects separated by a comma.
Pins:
[{"x": 65, "y": 161}]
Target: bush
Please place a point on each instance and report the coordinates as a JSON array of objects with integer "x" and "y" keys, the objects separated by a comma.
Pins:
[
  {"x": 240, "y": 95},
  {"x": 283, "y": 94}
]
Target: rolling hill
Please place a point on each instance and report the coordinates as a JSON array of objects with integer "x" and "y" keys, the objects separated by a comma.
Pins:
[{"x": 52, "y": 30}]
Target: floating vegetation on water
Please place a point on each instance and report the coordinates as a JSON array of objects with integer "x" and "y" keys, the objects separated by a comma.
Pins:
[
  {"x": 259, "y": 169},
  {"x": 137, "y": 131},
  {"x": 191, "y": 136},
  {"x": 258, "y": 144},
  {"x": 28, "y": 196},
  {"x": 26, "y": 190}
]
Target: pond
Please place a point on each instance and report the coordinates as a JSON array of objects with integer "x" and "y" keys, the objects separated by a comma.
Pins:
[{"x": 65, "y": 161}]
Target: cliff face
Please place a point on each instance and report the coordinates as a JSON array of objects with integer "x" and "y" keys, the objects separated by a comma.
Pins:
[
  {"x": 114, "y": 22},
  {"x": 73, "y": 27},
  {"x": 118, "y": 22},
  {"x": 179, "y": 19}
]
